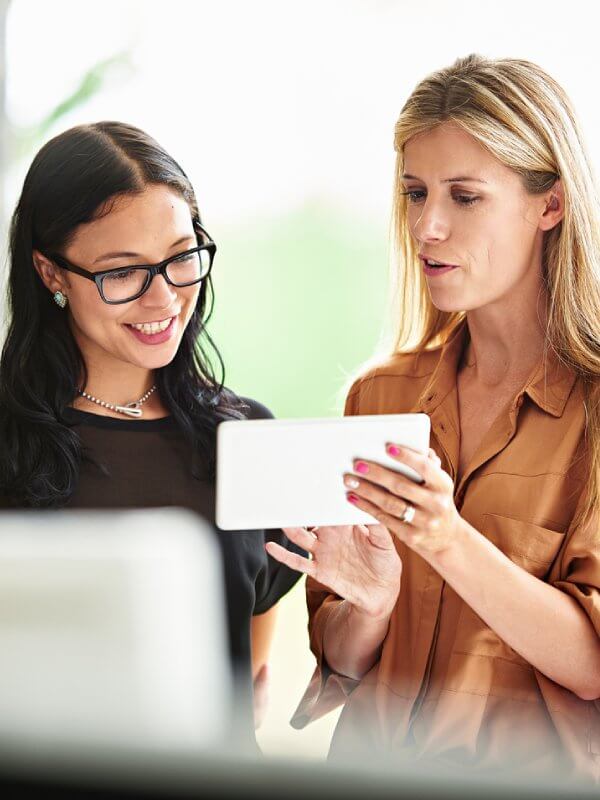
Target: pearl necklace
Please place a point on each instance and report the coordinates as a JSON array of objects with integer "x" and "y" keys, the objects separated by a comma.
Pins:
[{"x": 131, "y": 409}]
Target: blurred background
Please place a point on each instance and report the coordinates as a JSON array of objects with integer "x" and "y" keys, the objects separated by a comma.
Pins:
[{"x": 282, "y": 113}]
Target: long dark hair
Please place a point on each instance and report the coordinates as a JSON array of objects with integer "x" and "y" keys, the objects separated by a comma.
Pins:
[{"x": 71, "y": 181}]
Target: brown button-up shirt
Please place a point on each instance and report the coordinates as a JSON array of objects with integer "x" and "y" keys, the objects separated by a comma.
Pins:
[{"x": 446, "y": 686}]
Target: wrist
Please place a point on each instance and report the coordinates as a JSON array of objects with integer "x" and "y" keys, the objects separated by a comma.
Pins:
[
  {"x": 378, "y": 614},
  {"x": 453, "y": 554}
]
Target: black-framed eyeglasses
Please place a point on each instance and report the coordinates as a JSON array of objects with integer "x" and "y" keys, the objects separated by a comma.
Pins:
[{"x": 124, "y": 284}]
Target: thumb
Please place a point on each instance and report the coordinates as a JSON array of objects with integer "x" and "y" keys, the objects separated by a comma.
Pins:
[{"x": 379, "y": 536}]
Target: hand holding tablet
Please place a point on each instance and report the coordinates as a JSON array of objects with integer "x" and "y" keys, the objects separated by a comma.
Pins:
[{"x": 288, "y": 473}]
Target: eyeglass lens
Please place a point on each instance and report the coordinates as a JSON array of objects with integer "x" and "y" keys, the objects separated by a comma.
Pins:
[{"x": 126, "y": 283}]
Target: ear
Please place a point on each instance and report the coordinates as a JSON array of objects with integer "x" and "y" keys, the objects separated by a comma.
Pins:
[
  {"x": 554, "y": 207},
  {"x": 51, "y": 276}
]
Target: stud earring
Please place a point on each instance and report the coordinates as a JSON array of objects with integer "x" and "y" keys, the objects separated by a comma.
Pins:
[{"x": 60, "y": 299}]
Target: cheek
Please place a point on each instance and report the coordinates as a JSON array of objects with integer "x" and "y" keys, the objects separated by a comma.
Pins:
[
  {"x": 90, "y": 314},
  {"x": 412, "y": 217},
  {"x": 188, "y": 298},
  {"x": 507, "y": 241}
]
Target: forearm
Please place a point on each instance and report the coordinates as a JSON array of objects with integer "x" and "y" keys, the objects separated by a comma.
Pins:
[
  {"x": 262, "y": 630},
  {"x": 544, "y": 625},
  {"x": 353, "y": 640}
]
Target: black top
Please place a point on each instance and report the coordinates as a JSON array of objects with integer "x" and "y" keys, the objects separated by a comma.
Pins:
[{"x": 147, "y": 463}]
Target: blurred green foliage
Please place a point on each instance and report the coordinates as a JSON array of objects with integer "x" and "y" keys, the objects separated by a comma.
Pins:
[
  {"x": 300, "y": 304},
  {"x": 110, "y": 71}
]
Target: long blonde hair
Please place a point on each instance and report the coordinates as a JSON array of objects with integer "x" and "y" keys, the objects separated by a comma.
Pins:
[{"x": 524, "y": 118}]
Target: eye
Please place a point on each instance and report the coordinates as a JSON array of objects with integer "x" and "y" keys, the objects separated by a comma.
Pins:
[
  {"x": 466, "y": 199},
  {"x": 185, "y": 258},
  {"x": 414, "y": 195}
]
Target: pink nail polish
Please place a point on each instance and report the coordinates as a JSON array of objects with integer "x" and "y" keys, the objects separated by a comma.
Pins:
[
  {"x": 393, "y": 450},
  {"x": 352, "y": 498},
  {"x": 361, "y": 467}
]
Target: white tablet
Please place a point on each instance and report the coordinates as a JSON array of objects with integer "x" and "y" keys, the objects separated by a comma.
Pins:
[{"x": 274, "y": 473}]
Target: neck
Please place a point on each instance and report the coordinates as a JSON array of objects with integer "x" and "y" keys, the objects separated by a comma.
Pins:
[
  {"x": 506, "y": 341},
  {"x": 119, "y": 386},
  {"x": 115, "y": 381}
]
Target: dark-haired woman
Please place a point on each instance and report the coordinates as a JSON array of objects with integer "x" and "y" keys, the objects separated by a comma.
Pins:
[{"x": 107, "y": 396}]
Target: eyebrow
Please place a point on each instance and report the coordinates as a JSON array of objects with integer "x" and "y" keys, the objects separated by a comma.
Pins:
[
  {"x": 128, "y": 254},
  {"x": 448, "y": 180}
]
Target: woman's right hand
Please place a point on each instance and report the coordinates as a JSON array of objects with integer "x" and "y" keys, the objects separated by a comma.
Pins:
[{"x": 357, "y": 562}]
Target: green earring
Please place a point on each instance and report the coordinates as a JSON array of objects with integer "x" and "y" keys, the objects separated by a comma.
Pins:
[{"x": 60, "y": 299}]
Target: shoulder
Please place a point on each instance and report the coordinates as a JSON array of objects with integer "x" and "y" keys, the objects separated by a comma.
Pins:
[{"x": 393, "y": 385}]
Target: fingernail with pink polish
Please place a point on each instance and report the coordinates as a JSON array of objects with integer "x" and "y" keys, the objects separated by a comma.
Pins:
[
  {"x": 361, "y": 467},
  {"x": 352, "y": 498},
  {"x": 393, "y": 450}
]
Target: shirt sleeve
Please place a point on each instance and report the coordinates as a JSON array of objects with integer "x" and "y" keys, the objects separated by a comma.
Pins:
[
  {"x": 276, "y": 579},
  {"x": 579, "y": 574},
  {"x": 327, "y": 689}
]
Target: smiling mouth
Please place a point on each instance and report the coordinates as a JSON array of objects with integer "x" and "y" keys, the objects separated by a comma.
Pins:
[{"x": 151, "y": 327}]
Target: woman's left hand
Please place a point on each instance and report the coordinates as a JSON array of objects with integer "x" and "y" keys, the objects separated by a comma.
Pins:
[{"x": 385, "y": 495}]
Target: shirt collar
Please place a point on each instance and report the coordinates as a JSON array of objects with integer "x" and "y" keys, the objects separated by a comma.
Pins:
[
  {"x": 550, "y": 388},
  {"x": 549, "y": 384},
  {"x": 443, "y": 378}
]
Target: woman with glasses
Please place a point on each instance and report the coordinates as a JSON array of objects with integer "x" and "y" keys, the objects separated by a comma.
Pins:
[
  {"x": 107, "y": 394},
  {"x": 464, "y": 629}
]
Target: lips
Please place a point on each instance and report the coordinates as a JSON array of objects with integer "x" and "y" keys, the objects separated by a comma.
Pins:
[
  {"x": 436, "y": 262},
  {"x": 435, "y": 269},
  {"x": 153, "y": 336}
]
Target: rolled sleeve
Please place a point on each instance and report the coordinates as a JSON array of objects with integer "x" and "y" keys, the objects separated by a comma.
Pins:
[
  {"x": 327, "y": 689},
  {"x": 579, "y": 574}
]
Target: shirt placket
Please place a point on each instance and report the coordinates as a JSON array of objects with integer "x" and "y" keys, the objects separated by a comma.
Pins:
[{"x": 446, "y": 430}]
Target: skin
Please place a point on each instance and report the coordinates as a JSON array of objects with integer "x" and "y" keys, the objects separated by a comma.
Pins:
[
  {"x": 262, "y": 629},
  {"x": 493, "y": 230},
  {"x": 150, "y": 227}
]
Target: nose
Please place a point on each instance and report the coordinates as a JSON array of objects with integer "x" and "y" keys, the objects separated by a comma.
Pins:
[
  {"x": 431, "y": 224},
  {"x": 159, "y": 294}
]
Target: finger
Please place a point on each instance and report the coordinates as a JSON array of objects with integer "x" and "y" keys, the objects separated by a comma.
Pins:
[
  {"x": 380, "y": 537},
  {"x": 392, "y": 482},
  {"x": 300, "y": 536},
  {"x": 402, "y": 530},
  {"x": 429, "y": 470},
  {"x": 433, "y": 455},
  {"x": 389, "y": 504},
  {"x": 414, "y": 538},
  {"x": 291, "y": 560}
]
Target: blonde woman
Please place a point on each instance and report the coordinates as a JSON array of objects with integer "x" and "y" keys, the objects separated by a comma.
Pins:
[{"x": 464, "y": 629}]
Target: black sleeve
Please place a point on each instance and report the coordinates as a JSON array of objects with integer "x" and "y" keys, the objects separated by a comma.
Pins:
[{"x": 275, "y": 579}]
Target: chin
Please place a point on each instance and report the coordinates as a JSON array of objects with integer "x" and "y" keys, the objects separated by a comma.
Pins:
[
  {"x": 447, "y": 305},
  {"x": 154, "y": 360}
]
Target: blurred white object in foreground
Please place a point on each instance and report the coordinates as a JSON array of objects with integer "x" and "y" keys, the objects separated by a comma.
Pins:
[{"x": 112, "y": 632}]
